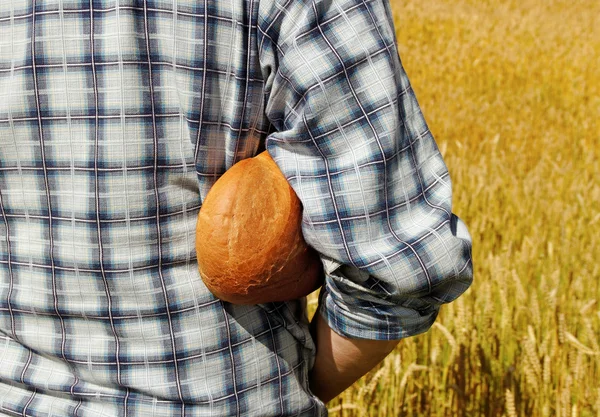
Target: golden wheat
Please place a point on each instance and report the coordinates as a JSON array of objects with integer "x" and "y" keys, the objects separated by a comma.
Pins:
[{"x": 511, "y": 91}]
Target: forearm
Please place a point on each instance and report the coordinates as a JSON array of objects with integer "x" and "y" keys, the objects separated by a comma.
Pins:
[{"x": 340, "y": 361}]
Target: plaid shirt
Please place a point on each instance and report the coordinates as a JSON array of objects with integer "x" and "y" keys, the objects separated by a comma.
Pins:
[{"x": 117, "y": 116}]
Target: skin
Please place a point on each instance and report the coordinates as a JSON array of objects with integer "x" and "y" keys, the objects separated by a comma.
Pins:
[{"x": 341, "y": 361}]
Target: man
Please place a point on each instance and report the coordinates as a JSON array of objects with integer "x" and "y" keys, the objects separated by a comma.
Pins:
[{"x": 117, "y": 116}]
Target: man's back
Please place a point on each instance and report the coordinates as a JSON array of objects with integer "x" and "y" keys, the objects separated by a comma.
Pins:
[
  {"x": 117, "y": 116},
  {"x": 103, "y": 171}
]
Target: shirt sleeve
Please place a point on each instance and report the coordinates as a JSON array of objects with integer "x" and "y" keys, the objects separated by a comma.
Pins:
[{"x": 349, "y": 136}]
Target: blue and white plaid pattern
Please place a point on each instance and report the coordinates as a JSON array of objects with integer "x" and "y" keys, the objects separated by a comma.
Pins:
[{"x": 117, "y": 116}]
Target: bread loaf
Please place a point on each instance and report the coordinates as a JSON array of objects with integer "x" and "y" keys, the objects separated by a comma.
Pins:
[{"x": 249, "y": 239}]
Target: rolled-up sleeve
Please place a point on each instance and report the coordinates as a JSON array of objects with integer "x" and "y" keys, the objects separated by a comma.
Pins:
[{"x": 349, "y": 136}]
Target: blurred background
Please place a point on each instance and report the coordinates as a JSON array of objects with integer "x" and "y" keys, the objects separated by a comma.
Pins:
[{"x": 511, "y": 92}]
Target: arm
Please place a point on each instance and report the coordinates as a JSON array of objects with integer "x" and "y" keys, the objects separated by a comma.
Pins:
[
  {"x": 351, "y": 139},
  {"x": 341, "y": 361}
]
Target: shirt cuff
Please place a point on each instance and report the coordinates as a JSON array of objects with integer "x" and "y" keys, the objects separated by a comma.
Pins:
[{"x": 365, "y": 319}]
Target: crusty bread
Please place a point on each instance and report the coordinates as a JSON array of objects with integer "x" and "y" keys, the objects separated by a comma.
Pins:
[{"x": 249, "y": 240}]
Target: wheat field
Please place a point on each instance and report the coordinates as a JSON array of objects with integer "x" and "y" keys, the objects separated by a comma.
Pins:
[{"x": 511, "y": 91}]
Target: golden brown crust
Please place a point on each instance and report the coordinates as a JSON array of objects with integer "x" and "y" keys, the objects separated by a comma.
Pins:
[{"x": 249, "y": 239}]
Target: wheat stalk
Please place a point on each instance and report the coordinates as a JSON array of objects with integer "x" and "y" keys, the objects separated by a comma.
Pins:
[
  {"x": 413, "y": 367},
  {"x": 561, "y": 328},
  {"x": 566, "y": 397},
  {"x": 590, "y": 334},
  {"x": 511, "y": 410},
  {"x": 535, "y": 310},
  {"x": 547, "y": 371},
  {"x": 347, "y": 406},
  {"x": 372, "y": 385},
  {"x": 579, "y": 346},
  {"x": 451, "y": 340},
  {"x": 530, "y": 345},
  {"x": 587, "y": 306}
]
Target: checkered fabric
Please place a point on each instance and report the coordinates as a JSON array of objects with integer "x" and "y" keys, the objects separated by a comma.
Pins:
[{"x": 117, "y": 116}]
